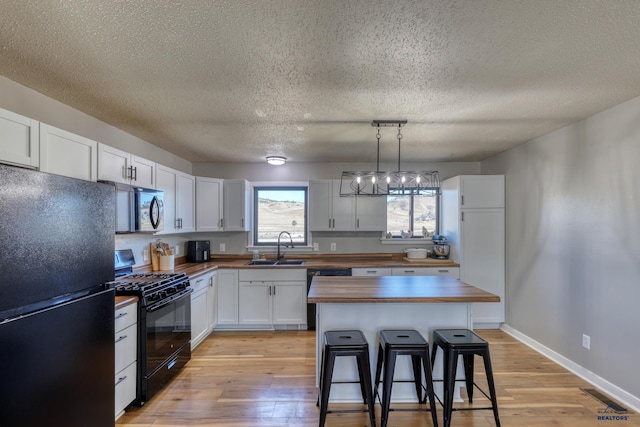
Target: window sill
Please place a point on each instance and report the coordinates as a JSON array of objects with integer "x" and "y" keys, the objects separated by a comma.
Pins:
[{"x": 409, "y": 241}]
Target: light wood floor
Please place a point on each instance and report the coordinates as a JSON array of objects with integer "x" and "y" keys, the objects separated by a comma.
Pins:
[{"x": 266, "y": 379}]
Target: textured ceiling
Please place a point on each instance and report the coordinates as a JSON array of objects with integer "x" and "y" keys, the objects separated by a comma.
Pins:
[{"x": 239, "y": 80}]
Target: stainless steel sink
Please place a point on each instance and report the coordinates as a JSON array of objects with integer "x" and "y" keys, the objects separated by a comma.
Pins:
[
  {"x": 262, "y": 262},
  {"x": 291, "y": 262},
  {"x": 276, "y": 263}
]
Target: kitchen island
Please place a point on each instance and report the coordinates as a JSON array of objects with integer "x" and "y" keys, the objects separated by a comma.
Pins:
[{"x": 423, "y": 303}]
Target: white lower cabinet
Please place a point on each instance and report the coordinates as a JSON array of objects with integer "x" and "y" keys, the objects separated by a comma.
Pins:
[
  {"x": 265, "y": 297},
  {"x": 126, "y": 346},
  {"x": 227, "y": 297},
  {"x": 202, "y": 307},
  {"x": 426, "y": 271}
]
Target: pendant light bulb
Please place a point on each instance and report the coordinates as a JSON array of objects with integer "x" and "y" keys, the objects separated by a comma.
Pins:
[
  {"x": 358, "y": 180},
  {"x": 388, "y": 180},
  {"x": 418, "y": 180},
  {"x": 403, "y": 179},
  {"x": 373, "y": 179}
]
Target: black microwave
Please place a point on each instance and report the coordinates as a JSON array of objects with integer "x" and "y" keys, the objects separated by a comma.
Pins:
[{"x": 138, "y": 209}]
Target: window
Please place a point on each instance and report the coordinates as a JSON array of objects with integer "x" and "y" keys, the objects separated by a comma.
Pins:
[
  {"x": 278, "y": 209},
  {"x": 407, "y": 211}
]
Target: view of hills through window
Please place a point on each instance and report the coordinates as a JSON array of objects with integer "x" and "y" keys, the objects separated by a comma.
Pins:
[
  {"x": 400, "y": 216},
  {"x": 280, "y": 210}
]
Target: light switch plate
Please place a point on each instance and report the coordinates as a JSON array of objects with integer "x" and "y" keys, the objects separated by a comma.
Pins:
[
  {"x": 145, "y": 255},
  {"x": 333, "y": 246},
  {"x": 223, "y": 247},
  {"x": 316, "y": 247}
]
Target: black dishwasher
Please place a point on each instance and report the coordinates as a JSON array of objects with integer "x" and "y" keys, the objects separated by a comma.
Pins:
[{"x": 311, "y": 273}]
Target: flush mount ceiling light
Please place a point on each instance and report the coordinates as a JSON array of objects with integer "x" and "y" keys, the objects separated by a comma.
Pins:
[
  {"x": 378, "y": 183},
  {"x": 276, "y": 160}
]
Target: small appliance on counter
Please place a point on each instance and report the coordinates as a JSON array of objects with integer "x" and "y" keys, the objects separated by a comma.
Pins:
[
  {"x": 198, "y": 250},
  {"x": 440, "y": 247}
]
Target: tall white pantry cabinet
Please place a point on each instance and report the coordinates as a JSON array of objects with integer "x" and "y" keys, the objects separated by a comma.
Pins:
[{"x": 473, "y": 223}]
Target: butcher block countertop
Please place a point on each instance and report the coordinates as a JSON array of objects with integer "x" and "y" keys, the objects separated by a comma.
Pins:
[
  {"x": 310, "y": 261},
  {"x": 395, "y": 289},
  {"x": 123, "y": 301}
]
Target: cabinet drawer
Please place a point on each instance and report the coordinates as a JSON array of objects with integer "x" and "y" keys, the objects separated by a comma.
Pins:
[
  {"x": 371, "y": 272},
  {"x": 125, "y": 382},
  {"x": 126, "y": 346},
  {"x": 427, "y": 271},
  {"x": 200, "y": 282},
  {"x": 126, "y": 316}
]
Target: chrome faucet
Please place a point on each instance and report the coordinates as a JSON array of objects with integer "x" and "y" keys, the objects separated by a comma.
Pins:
[{"x": 278, "y": 256}]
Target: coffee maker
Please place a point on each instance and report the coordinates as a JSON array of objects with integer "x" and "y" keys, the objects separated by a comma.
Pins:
[{"x": 198, "y": 250}]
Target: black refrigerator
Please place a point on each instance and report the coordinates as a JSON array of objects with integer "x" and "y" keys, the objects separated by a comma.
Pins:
[{"x": 56, "y": 318}]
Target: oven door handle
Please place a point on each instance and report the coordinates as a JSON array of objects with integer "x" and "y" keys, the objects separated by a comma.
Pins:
[{"x": 169, "y": 300}]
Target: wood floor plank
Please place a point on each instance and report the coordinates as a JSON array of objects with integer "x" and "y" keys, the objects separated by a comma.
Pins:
[{"x": 267, "y": 379}]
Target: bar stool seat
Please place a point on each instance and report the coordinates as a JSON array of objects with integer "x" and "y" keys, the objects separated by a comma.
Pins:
[
  {"x": 345, "y": 343},
  {"x": 465, "y": 343},
  {"x": 403, "y": 342}
]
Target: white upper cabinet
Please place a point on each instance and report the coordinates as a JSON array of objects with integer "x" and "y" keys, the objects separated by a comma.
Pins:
[
  {"x": 178, "y": 200},
  {"x": 481, "y": 191},
  {"x": 327, "y": 210},
  {"x": 209, "y": 204},
  {"x": 119, "y": 166},
  {"x": 68, "y": 154},
  {"x": 237, "y": 205},
  {"x": 19, "y": 139}
]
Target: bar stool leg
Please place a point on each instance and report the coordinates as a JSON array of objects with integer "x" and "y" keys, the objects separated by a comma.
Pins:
[
  {"x": 379, "y": 361},
  {"x": 325, "y": 382},
  {"x": 365, "y": 381},
  {"x": 468, "y": 374},
  {"x": 389, "y": 368},
  {"x": 417, "y": 375},
  {"x": 429, "y": 394},
  {"x": 361, "y": 374},
  {"x": 492, "y": 388},
  {"x": 450, "y": 367}
]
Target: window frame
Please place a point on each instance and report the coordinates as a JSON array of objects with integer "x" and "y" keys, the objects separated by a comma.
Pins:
[
  {"x": 255, "y": 219},
  {"x": 410, "y": 192}
]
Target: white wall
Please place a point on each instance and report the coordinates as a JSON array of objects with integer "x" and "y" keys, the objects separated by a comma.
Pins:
[
  {"x": 573, "y": 241},
  {"x": 22, "y": 100}
]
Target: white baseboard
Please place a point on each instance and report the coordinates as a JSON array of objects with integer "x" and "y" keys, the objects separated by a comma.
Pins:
[{"x": 626, "y": 399}]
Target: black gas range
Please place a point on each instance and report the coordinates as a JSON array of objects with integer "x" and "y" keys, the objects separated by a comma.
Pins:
[{"x": 164, "y": 326}]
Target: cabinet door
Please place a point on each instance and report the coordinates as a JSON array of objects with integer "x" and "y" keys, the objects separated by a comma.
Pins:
[
  {"x": 320, "y": 205},
  {"x": 482, "y": 191},
  {"x": 144, "y": 172},
  {"x": 198, "y": 317},
  {"x": 227, "y": 297},
  {"x": 212, "y": 312},
  {"x": 343, "y": 210},
  {"x": 236, "y": 205},
  {"x": 113, "y": 164},
  {"x": 185, "y": 202},
  {"x": 64, "y": 153},
  {"x": 166, "y": 181},
  {"x": 371, "y": 213},
  {"x": 209, "y": 204},
  {"x": 290, "y": 303},
  {"x": 19, "y": 139},
  {"x": 482, "y": 259},
  {"x": 254, "y": 302}
]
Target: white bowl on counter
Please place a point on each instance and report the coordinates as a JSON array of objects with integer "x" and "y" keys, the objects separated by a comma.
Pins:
[{"x": 416, "y": 253}]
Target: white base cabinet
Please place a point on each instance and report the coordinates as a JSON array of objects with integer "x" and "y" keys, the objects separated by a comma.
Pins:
[
  {"x": 264, "y": 297},
  {"x": 202, "y": 307},
  {"x": 473, "y": 222},
  {"x": 426, "y": 271},
  {"x": 126, "y": 346}
]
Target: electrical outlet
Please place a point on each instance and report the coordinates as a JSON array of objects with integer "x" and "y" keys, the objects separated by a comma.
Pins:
[
  {"x": 145, "y": 255},
  {"x": 586, "y": 341},
  {"x": 316, "y": 247},
  {"x": 176, "y": 250},
  {"x": 333, "y": 246},
  {"x": 223, "y": 247}
]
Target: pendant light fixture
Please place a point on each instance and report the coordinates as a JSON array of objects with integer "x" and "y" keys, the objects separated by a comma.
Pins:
[{"x": 379, "y": 183}]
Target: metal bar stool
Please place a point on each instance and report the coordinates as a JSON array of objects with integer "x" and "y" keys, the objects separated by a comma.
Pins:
[
  {"x": 465, "y": 343},
  {"x": 345, "y": 343},
  {"x": 403, "y": 343}
]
